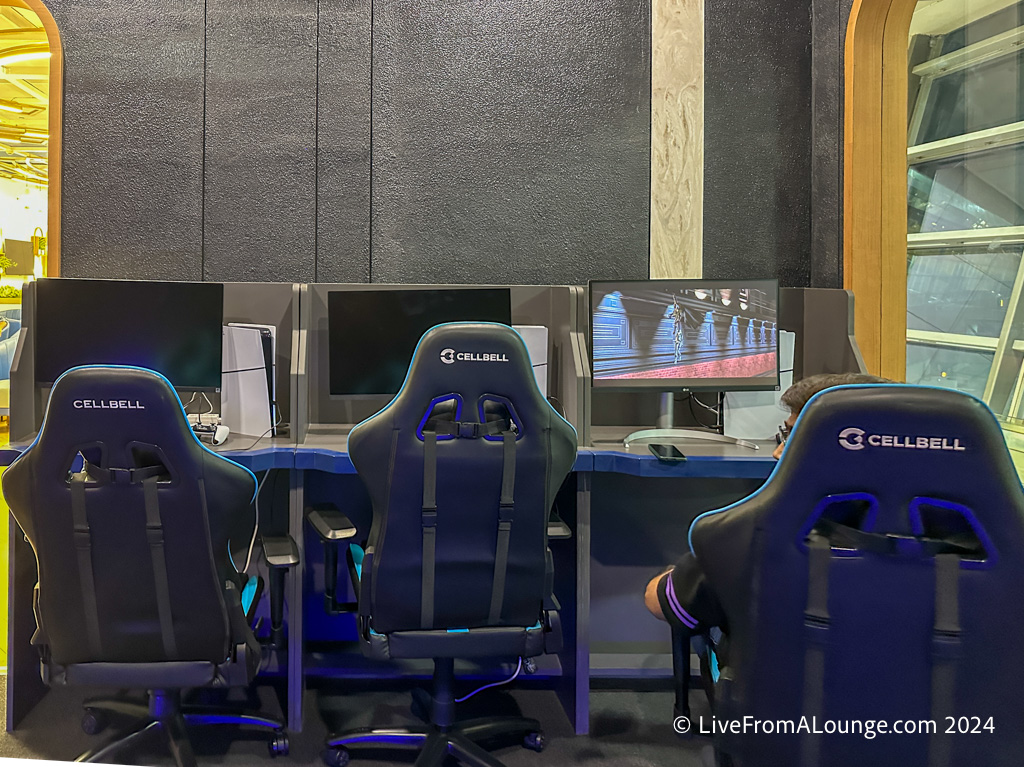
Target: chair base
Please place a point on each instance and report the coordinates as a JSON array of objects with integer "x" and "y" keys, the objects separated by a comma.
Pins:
[
  {"x": 436, "y": 744},
  {"x": 166, "y": 714}
]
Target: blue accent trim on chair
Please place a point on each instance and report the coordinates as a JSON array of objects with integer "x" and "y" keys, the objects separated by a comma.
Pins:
[
  {"x": 829, "y": 500},
  {"x": 513, "y": 415},
  {"x": 917, "y": 525},
  {"x": 248, "y": 592},
  {"x": 357, "y": 558},
  {"x": 430, "y": 409}
]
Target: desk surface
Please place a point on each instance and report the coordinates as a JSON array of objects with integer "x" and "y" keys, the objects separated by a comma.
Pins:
[
  {"x": 326, "y": 449},
  {"x": 703, "y": 458}
]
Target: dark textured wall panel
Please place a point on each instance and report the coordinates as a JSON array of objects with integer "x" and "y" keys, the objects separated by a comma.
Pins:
[
  {"x": 133, "y": 138},
  {"x": 511, "y": 141},
  {"x": 343, "y": 120},
  {"x": 260, "y": 207},
  {"x": 757, "y": 143},
  {"x": 829, "y": 19}
]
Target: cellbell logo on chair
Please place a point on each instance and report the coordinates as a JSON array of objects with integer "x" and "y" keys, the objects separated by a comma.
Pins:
[
  {"x": 853, "y": 438},
  {"x": 108, "y": 404},
  {"x": 449, "y": 356}
]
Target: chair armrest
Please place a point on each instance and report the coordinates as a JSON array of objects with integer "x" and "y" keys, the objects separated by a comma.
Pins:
[
  {"x": 280, "y": 551},
  {"x": 330, "y": 523},
  {"x": 558, "y": 530},
  {"x": 334, "y": 528},
  {"x": 282, "y": 555}
]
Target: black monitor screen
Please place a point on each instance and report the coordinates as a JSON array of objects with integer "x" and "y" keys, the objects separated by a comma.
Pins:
[
  {"x": 685, "y": 334},
  {"x": 373, "y": 333},
  {"x": 171, "y": 327}
]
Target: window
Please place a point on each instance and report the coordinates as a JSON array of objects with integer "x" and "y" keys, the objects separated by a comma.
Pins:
[
  {"x": 965, "y": 199},
  {"x": 30, "y": 89}
]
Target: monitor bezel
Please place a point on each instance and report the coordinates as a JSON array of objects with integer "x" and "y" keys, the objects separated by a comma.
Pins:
[
  {"x": 178, "y": 388},
  {"x": 674, "y": 384}
]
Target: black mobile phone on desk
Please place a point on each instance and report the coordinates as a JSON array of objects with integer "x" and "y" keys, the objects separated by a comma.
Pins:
[{"x": 669, "y": 453}]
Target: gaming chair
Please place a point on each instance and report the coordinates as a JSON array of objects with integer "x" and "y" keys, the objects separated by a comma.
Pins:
[
  {"x": 129, "y": 516},
  {"x": 876, "y": 577},
  {"x": 462, "y": 469}
]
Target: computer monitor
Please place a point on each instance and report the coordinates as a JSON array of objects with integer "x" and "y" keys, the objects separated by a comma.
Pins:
[
  {"x": 372, "y": 334},
  {"x": 694, "y": 335},
  {"x": 174, "y": 328}
]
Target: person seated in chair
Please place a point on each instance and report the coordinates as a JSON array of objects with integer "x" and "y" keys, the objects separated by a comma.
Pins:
[{"x": 680, "y": 594}]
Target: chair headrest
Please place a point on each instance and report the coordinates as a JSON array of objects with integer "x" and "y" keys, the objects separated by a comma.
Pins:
[
  {"x": 113, "y": 406},
  {"x": 897, "y": 447},
  {"x": 861, "y": 428},
  {"x": 470, "y": 359}
]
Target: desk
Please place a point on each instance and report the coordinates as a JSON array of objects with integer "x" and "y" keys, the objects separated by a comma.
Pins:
[
  {"x": 629, "y": 514},
  {"x": 640, "y": 510}
]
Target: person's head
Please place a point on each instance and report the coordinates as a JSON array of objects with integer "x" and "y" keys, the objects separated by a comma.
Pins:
[{"x": 800, "y": 393}]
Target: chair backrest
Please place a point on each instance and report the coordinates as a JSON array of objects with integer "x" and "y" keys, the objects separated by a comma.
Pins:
[
  {"x": 132, "y": 548},
  {"x": 471, "y": 384},
  {"x": 905, "y": 504}
]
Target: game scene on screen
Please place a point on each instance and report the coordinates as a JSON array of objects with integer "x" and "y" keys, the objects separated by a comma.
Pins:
[{"x": 649, "y": 332}]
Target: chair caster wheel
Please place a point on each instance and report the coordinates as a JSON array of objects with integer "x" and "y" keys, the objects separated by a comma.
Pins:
[
  {"x": 94, "y": 722},
  {"x": 336, "y": 757},
  {"x": 535, "y": 741},
  {"x": 278, "y": 745}
]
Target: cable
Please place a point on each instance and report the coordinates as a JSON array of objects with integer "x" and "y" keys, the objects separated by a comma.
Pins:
[
  {"x": 706, "y": 407},
  {"x": 280, "y": 420},
  {"x": 493, "y": 684},
  {"x": 256, "y": 525},
  {"x": 693, "y": 413},
  {"x": 208, "y": 403}
]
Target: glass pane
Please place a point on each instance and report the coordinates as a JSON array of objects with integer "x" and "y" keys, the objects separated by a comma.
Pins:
[
  {"x": 959, "y": 369},
  {"x": 978, "y": 191},
  {"x": 973, "y": 99},
  {"x": 965, "y": 199},
  {"x": 965, "y": 293}
]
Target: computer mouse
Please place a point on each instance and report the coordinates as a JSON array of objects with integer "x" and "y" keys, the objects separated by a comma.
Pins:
[{"x": 220, "y": 434}]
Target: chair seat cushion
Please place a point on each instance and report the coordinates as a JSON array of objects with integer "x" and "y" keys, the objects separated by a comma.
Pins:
[
  {"x": 496, "y": 642},
  {"x": 134, "y": 675}
]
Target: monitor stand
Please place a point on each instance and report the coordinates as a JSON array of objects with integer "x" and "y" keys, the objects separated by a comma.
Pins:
[{"x": 666, "y": 432}]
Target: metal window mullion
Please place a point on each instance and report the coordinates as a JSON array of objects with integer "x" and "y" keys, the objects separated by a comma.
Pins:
[
  {"x": 1001, "y": 378},
  {"x": 998, "y": 235},
  {"x": 999, "y": 137},
  {"x": 986, "y": 50}
]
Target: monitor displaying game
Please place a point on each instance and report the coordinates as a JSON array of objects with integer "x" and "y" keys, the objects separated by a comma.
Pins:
[
  {"x": 373, "y": 333},
  {"x": 693, "y": 335},
  {"x": 173, "y": 328}
]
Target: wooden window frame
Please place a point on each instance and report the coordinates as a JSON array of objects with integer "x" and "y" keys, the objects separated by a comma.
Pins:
[{"x": 875, "y": 180}]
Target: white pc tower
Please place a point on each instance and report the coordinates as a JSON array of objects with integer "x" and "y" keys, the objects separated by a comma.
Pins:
[
  {"x": 536, "y": 339},
  {"x": 248, "y": 388},
  {"x": 757, "y": 414}
]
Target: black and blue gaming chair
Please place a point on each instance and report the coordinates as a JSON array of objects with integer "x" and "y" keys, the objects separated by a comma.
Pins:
[
  {"x": 129, "y": 517},
  {"x": 462, "y": 469},
  {"x": 876, "y": 576}
]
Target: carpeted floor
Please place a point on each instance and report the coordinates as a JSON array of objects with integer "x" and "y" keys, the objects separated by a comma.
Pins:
[{"x": 628, "y": 729}]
